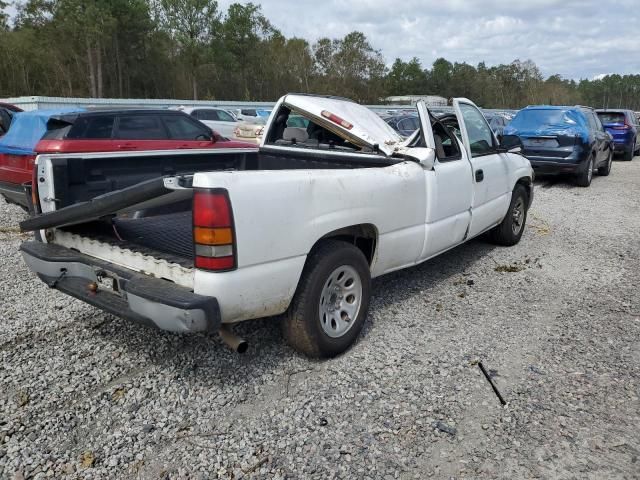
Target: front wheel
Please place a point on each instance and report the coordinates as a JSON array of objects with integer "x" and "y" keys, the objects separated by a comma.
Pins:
[
  {"x": 605, "y": 170},
  {"x": 331, "y": 302},
  {"x": 511, "y": 228}
]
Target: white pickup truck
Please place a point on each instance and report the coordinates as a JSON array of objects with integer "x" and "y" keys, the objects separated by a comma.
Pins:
[{"x": 198, "y": 240}]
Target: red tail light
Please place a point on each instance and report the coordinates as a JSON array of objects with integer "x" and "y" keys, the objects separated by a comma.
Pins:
[
  {"x": 213, "y": 230},
  {"x": 336, "y": 119}
]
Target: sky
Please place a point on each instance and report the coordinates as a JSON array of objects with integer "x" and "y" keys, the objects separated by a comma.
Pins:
[
  {"x": 573, "y": 38},
  {"x": 576, "y": 39}
]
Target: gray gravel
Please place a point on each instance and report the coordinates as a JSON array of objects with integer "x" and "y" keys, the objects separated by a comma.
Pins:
[{"x": 555, "y": 319}]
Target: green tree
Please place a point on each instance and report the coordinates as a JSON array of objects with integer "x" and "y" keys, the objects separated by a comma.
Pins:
[
  {"x": 244, "y": 30},
  {"x": 193, "y": 25},
  {"x": 407, "y": 78},
  {"x": 4, "y": 16}
]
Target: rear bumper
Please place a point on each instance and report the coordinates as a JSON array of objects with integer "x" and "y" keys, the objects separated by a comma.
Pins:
[
  {"x": 14, "y": 193},
  {"x": 137, "y": 297},
  {"x": 546, "y": 166},
  {"x": 623, "y": 146}
]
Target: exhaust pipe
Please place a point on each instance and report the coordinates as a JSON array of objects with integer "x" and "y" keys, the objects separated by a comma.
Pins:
[{"x": 233, "y": 341}]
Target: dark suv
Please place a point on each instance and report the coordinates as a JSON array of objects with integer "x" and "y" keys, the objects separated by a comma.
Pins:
[
  {"x": 623, "y": 127},
  {"x": 563, "y": 140}
]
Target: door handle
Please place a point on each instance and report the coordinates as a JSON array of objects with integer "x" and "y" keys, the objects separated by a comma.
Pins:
[{"x": 479, "y": 175}]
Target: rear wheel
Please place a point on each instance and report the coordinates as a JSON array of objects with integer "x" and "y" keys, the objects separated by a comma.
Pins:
[
  {"x": 331, "y": 302},
  {"x": 605, "y": 170},
  {"x": 628, "y": 156},
  {"x": 511, "y": 228},
  {"x": 584, "y": 178}
]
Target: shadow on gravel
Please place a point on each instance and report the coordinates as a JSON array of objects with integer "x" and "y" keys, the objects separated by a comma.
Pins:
[
  {"x": 397, "y": 286},
  {"x": 206, "y": 357},
  {"x": 565, "y": 182}
]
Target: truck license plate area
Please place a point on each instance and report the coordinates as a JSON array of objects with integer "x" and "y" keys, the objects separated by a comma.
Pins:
[{"x": 107, "y": 281}]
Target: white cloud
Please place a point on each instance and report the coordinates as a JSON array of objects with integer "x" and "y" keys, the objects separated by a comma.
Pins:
[{"x": 575, "y": 38}]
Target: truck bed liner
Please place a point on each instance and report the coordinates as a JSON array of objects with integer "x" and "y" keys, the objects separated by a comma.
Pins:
[
  {"x": 170, "y": 233},
  {"x": 168, "y": 237}
]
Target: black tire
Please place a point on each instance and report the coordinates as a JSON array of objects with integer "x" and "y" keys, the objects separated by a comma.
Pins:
[
  {"x": 510, "y": 230},
  {"x": 584, "y": 179},
  {"x": 605, "y": 169},
  {"x": 628, "y": 156},
  {"x": 302, "y": 325}
]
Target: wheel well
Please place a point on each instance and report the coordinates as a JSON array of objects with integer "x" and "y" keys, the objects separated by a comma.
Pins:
[
  {"x": 363, "y": 236},
  {"x": 526, "y": 183}
]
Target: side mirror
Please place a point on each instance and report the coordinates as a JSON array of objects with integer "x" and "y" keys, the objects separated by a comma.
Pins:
[
  {"x": 510, "y": 144},
  {"x": 424, "y": 156}
]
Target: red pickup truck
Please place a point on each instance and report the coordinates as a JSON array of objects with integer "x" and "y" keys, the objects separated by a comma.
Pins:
[{"x": 86, "y": 131}]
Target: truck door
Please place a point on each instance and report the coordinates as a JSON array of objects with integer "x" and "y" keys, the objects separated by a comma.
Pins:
[
  {"x": 491, "y": 194},
  {"x": 448, "y": 203}
]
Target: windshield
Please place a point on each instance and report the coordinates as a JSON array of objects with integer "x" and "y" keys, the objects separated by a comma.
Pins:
[{"x": 611, "y": 117}]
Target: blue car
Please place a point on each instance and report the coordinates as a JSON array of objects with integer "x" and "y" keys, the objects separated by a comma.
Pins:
[
  {"x": 623, "y": 127},
  {"x": 563, "y": 140}
]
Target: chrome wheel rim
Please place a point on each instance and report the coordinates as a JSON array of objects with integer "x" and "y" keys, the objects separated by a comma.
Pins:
[
  {"x": 590, "y": 170},
  {"x": 340, "y": 301},
  {"x": 517, "y": 217}
]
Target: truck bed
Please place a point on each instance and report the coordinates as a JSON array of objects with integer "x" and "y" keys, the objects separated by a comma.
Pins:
[{"x": 168, "y": 237}]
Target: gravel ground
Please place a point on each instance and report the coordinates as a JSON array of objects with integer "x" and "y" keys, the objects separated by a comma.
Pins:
[{"x": 556, "y": 321}]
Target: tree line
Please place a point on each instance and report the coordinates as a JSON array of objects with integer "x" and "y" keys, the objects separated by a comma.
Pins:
[{"x": 193, "y": 49}]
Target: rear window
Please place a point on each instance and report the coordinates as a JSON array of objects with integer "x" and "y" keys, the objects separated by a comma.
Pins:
[
  {"x": 141, "y": 127},
  {"x": 408, "y": 124},
  {"x": 541, "y": 119},
  {"x": 611, "y": 117},
  {"x": 92, "y": 127}
]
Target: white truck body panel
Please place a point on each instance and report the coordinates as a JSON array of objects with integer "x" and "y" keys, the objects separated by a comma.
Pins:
[{"x": 416, "y": 210}]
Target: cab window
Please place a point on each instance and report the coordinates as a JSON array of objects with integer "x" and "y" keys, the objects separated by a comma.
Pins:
[{"x": 478, "y": 131}]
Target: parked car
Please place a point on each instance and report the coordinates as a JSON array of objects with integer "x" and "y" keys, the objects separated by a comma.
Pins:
[
  {"x": 250, "y": 131},
  {"x": 7, "y": 111},
  {"x": 623, "y": 127},
  {"x": 11, "y": 107},
  {"x": 253, "y": 132},
  {"x": 405, "y": 125},
  {"x": 563, "y": 140},
  {"x": 298, "y": 227},
  {"x": 78, "y": 130},
  {"x": 497, "y": 122},
  {"x": 252, "y": 115},
  {"x": 217, "y": 119}
]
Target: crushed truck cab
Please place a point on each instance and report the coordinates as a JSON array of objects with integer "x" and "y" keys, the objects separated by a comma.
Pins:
[{"x": 297, "y": 228}]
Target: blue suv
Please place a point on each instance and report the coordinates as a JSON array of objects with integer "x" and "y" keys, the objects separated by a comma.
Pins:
[
  {"x": 563, "y": 140},
  {"x": 623, "y": 127}
]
